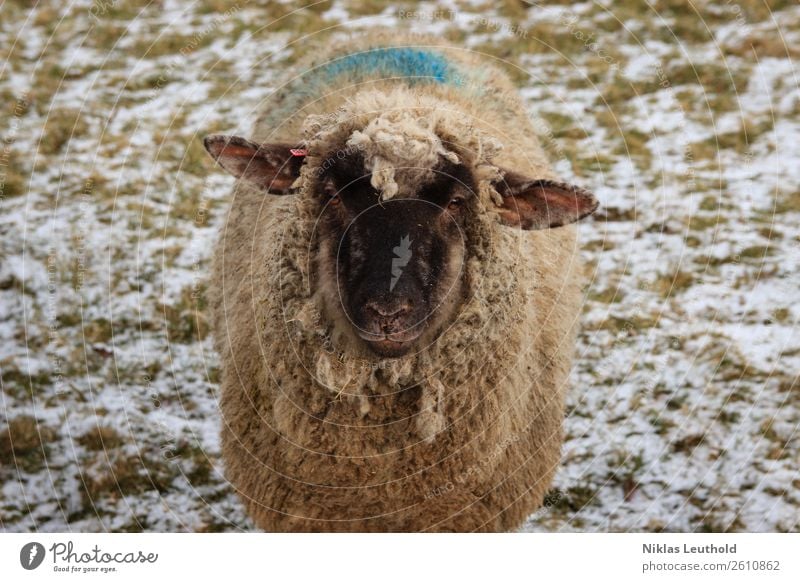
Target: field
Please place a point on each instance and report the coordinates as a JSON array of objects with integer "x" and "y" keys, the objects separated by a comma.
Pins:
[{"x": 683, "y": 117}]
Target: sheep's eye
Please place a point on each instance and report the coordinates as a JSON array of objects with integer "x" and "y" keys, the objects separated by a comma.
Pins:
[{"x": 456, "y": 203}]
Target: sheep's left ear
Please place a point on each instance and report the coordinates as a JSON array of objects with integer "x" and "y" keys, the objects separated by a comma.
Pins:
[
  {"x": 271, "y": 167},
  {"x": 540, "y": 204}
]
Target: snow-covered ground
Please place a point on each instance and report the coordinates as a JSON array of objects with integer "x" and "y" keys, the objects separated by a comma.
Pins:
[{"x": 685, "y": 404}]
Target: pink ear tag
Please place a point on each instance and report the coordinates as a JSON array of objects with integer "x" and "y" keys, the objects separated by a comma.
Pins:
[{"x": 298, "y": 153}]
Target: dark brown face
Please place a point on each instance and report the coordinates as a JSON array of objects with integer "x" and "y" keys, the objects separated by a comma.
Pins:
[
  {"x": 394, "y": 268},
  {"x": 398, "y": 262}
]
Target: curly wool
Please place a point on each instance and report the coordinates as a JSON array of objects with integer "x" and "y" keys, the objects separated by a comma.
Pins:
[
  {"x": 402, "y": 136},
  {"x": 320, "y": 434}
]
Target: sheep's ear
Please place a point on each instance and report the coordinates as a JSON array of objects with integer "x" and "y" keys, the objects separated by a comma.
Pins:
[
  {"x": 271, "y": 167},
  {"x": 539, "y": 204}
]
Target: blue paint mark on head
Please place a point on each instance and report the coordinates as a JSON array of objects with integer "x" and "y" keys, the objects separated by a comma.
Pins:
[{"x": 413, "y": 64}]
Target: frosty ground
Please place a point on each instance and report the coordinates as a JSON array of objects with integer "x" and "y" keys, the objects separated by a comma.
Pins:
[{"x": 684, "y": 118}]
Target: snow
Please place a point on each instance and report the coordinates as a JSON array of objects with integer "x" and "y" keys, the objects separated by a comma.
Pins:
[{"x": 683, "y": 411}]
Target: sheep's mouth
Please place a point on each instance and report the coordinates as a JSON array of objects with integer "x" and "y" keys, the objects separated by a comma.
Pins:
[{"x": 391, "y": 345}]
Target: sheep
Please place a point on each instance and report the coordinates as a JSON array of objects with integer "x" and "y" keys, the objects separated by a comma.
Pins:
[{"x": 394, "y": 296}]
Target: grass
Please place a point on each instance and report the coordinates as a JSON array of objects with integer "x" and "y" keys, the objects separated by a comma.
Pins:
[
  {"x": 126, "y": 476},
  {"x": 123, "y": 10},
  {"x": 618, "y": 324},
  {"x": 761, "y": 46},
  {"x": 608, "y": 295},
  {"x": 787, "y": 201},
  {"x": 702, "y": 222},
  {"x": 541, "y": 37},
  {"x": 757, "y": 252},
  {"x": 171, "y": 44},
  {"x": 23, "y": 443},
  {"x": 563, "y": 126},
  {"x": 709, "y": 204},
  {"x": 612, "y": 214},
  {"x": 633, "y": 145},
  {"x": 13, "y": 180},
  {"x": 619, "y": 90},
  {"x": 760, "y": 10},
  {"x": 625, "y": 471},
  {"x": 61, "y": 127},
  {"x": 741, "y": 139},
  {"x": 688, "y": 443},
  {"x": 185, "y": 320},
  {"x": 107, "y": 36},
  {"x": 195, "y": 463},
  {"x": 98, "y": 331},
  {"x": 712, "y": 77},
  {"x": 573, "y": 499},
  {"x": 673, "y": 283},
  {"x": 195, "y": 159},
  {"x": 139, "y": 197},
  {"x": 101, "y": 438},
  {"x": 781, "y": 315},
  {"x": 16, "y": 382}
]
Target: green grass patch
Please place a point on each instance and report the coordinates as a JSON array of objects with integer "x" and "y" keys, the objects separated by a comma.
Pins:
[
  {"x": 757, "y": 252},
  {"x": 702, "y": 222}
]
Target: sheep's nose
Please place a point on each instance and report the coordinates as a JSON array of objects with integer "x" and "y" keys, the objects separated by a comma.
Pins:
[
  {"x": 389, "y": 317},
  {"x": 389, "y": 311}
]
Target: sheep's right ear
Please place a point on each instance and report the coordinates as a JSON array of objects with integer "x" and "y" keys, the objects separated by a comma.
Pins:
[{"x": 272, "y": 167}]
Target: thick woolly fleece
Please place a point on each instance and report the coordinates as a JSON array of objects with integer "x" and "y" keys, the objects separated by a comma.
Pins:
[{"x": 463, "y": 435}]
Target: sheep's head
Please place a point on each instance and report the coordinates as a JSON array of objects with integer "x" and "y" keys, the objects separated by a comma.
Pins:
[{"x": 395, "y": 192}]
